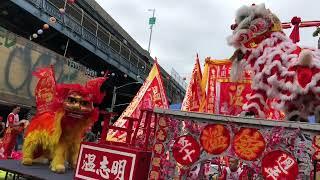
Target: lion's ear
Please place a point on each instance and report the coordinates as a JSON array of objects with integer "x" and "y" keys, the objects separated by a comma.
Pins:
[{"x": 276, "y": 24}]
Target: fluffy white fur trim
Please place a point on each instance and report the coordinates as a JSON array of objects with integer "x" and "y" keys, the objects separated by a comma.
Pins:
[
  {"x": 305, "y": 58},
  {"x": 261, "y": 114}
]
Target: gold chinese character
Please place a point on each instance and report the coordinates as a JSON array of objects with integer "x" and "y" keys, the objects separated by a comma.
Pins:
[
  {"x": 154, "y": 175},
  {"x": 235, "y": 95},
  {"x": 162, "y": 122},
  {"x": 158, "y": 148},
  {"x": 156, "y": 161},
  {"x": 161, "y": 135}
]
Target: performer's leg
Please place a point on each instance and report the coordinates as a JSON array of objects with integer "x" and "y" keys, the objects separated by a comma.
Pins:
[
  {"x": 59, "y": 157},
  {"x": 28, "y": 150},
  {"x": 73, "y": 154}
]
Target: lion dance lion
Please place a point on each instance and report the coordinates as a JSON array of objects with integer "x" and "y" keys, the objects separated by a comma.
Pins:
[
  {"x": 64, "y": 113},
  {"x": 281, "y": 69}
]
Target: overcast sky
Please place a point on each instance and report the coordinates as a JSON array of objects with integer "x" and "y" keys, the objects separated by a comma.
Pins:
[{"x": 184, "y": 28}]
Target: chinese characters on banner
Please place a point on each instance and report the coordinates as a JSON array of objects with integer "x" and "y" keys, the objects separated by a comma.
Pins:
[
  {"x": 278, "y": 165},
  {"x": 101, "y": 163},
  {"x": 151, "y": 94},
  {"x": 215, "y": 138},
  {"x": 186, "y": 150},
  {"x": 158, "y": 149},
  {"x": 223, "y": 96},
  {"x": 227, "y": 97},
  {"x": 195, "y": 93},
  {"x": 248, "y": 144}
]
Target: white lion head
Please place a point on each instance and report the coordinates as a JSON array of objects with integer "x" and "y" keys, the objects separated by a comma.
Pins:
[{"x": 250, "y": 22}]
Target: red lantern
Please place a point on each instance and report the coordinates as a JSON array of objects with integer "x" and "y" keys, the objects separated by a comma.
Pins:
[
  {"x": 249, "y": 144},
  {"x": 215, "y": 138},
  {"x": 46, "y": 26},
  {"x": 279, "y": 165},
  {"x": 186, "y": 150}
]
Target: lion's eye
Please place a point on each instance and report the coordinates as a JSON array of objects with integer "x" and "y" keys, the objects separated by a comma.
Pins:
[
  {"x": 85, "y": 103},
  {"x": 242, "y": 18},
  {"x": 72, "y": 100}
]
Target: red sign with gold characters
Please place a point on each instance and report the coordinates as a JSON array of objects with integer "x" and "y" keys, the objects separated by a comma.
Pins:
[
  {"x": 224, "y": 96},
  {"x": 232, "y": 97},
  {"x": 249, "y": 144},
  {"x": 215, "y": 138},
  {"x": 102, "y": 163},
  {"x": 278, "y": 165},
  {"x": 186, "y": 150}
]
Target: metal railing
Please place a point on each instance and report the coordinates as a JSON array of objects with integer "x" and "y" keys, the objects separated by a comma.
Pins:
[{"x": 90, "y": 30}]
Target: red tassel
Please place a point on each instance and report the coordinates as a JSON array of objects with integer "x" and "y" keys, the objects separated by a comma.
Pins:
[{"x": 295, "y": 36}]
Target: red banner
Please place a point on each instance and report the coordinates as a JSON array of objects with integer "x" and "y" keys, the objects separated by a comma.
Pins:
[
  {"x": 227, "y": 97},
  {"x": 45, "y": 89},
  {"x": 151, "y": 94},
  {"x": 232, "y": 97},
  {"x": 102, "y": 163},
  {"x": 195, "y": 93},
  {"x": 224, "y": 96}
]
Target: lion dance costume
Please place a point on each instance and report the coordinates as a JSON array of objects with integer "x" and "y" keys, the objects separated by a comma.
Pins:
[
  {"x": 280, "y": 69},
  {"x": 64, "y": 113}
]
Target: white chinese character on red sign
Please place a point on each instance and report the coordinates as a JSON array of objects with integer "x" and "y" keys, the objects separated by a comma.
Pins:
[
  {"x": 88, "y": 162},
  {"x": 104, "y": 170},
  {"x": 186, "y": 150},
  {"x": 273, "y": 172},
  {"x": 284, "y": 163},
  {"x": 185, "y": 144},
  {"x": 118, "y": 168}
]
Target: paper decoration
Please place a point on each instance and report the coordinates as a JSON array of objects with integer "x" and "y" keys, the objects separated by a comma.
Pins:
[
  {"x": 249, "y": 144},
  {"x": 278, "y": 165},
  {"x": 215, "y": 138},
  {"x": 186, "y": 150}
]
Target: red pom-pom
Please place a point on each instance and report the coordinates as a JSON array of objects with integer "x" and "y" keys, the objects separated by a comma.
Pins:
[{"x": 295, "y": 20}]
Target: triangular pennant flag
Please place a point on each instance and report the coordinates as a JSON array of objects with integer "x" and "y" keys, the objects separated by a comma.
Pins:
[
  {"x": 195, "y": 93},
  {"x": 151, "y": 94}
]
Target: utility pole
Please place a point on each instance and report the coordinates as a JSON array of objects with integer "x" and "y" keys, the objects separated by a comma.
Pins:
[
  {"x": 317, "y": 33},
  {"x": 114, "y": 97},
  {"x": 152, "y": 21}
]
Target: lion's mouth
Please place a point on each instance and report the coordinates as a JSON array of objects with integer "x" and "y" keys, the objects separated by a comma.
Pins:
[{"x": 75, "y": 115}]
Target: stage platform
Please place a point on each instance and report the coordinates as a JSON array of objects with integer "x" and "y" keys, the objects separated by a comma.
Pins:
[{"x": 35, "y": 172}]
